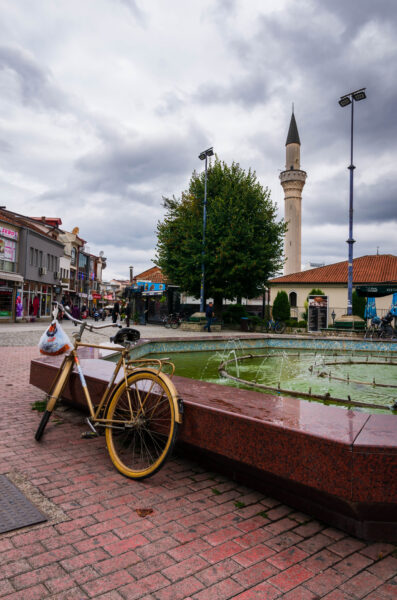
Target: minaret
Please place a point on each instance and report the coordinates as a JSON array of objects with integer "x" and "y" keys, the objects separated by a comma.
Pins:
[{"x": 292, "y": 180}]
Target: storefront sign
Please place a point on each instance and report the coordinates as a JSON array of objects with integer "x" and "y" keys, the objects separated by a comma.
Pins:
[
  {"x": 8, "y": 233},
  {"x": 96, "y": 296},
  {"x": 7, "y": 250}
]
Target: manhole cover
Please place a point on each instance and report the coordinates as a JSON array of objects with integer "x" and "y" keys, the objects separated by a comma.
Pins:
[{"x": 15, "y": 510}]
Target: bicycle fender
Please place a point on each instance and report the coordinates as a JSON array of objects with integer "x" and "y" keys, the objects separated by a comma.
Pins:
[{"x": 178, "y": 404}]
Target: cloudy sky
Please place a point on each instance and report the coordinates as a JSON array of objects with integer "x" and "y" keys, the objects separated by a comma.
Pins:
[{"x": 106, "y": 104}]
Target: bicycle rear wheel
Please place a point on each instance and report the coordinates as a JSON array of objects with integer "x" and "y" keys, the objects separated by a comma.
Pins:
[
  {"x": 144, "y": 430},
  {"x": 175, "y": 324}
]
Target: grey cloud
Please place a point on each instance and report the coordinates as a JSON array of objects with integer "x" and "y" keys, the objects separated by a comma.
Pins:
[
  {"x": 5, "y": 146},
  {"x": 122, "y": 164},
  {"x": 248, "y": 91},
  {"x": 36, "y": 85},
  {"x": 373, "y": 204},
  {"x": 135, "y": 10}
]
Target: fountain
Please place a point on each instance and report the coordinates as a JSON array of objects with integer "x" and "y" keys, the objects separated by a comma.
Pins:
[{"x": 333, "y": 463}]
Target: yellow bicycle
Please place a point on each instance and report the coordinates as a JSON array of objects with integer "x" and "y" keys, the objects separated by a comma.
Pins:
[{"x": 140, "y": 413}]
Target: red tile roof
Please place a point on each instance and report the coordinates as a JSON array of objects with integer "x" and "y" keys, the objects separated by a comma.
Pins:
[
  {"x": 154, "y": 275},
  {"x": 375, "y": 268}
]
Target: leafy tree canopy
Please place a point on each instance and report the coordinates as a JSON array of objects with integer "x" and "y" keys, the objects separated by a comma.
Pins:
[{"x": 243, "y": 245}]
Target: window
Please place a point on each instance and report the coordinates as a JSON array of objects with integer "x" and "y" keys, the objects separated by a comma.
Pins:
[
  {"x": 31, "y": 253},
  {"x": 36, "y": 258},
  {"x": 40, "y": 258},
  {"x": 293, "y": 299}
]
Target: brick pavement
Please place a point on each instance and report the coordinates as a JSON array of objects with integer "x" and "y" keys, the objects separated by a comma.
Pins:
[{"x": 207, "y": 538}]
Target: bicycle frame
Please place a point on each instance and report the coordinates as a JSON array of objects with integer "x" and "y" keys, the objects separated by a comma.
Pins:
[{"x": 72, "y": 359}]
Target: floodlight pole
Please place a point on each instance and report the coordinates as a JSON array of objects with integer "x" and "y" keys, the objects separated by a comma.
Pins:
[
  {"x": 351, "y": 98},
  {"x": 204, "y": 156},
  {"x": 350, "y": 241}
]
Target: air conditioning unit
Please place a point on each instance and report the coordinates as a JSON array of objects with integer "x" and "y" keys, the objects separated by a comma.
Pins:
[
  {"x": 42, "y": 270},
  {"x": 56, "y": 275}
]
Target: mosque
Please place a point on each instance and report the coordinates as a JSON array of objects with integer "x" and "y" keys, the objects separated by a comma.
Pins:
[{"x": 370, "y": 270}]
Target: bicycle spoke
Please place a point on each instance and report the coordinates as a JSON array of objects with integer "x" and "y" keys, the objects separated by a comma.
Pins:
[{"x": 149, "y": 432}]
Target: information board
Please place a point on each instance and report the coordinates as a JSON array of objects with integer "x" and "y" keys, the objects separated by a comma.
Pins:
[{"x": 317, "y": 313}]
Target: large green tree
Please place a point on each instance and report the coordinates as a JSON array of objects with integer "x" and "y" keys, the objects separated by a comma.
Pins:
[{"x": 243, "y": 245}]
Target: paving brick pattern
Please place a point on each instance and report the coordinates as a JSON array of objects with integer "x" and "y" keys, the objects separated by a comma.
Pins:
[{"x": 207, "y": 538}]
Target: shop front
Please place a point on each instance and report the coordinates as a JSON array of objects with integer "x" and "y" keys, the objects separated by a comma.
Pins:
[
  {"x": 37, "y": 299},
  {"x": 10, "y": 296}
]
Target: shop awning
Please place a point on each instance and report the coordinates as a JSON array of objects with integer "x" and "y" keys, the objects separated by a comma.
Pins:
[
  {"x": 376, "y": 290},
  {"x": 11, "y": 276}
]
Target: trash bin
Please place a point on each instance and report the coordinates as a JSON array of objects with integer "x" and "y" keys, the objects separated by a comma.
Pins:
[{"x": 244, "y": 323}]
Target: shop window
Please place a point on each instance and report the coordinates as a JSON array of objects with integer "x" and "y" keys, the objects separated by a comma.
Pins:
[{"x": 5, "y": 300}]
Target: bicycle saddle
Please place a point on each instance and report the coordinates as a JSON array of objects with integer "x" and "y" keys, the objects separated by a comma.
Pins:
[{"x": 126, "y": 334}]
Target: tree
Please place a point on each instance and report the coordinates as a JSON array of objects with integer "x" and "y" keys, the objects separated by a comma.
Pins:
[
  {"x": 281, "y": 308},
  {"x": 243, "y": 243},
  {"x": 359, "y": 303}
]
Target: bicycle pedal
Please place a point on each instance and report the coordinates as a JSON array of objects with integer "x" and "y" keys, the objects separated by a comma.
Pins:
[{"x": 89, "y": 434}]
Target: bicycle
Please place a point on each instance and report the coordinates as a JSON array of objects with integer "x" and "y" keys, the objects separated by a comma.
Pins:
[
  {"x": 274, "y": 326},
  {"x": 140, "y": 414},
  {"x": 172, "y": 320},
  {"x": 381, "y": 328}
]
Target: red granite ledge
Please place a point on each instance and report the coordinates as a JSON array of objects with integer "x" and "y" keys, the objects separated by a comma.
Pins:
[{"x": 348, "y": 458}]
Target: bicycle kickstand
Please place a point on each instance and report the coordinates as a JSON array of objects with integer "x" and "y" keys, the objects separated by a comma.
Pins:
[{"x": 90, "y": 434}]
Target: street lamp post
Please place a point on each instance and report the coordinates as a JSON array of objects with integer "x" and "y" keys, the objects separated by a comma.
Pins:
[
  {"x": 345, "y": 101},
  {"x": 204, "y": 156}
]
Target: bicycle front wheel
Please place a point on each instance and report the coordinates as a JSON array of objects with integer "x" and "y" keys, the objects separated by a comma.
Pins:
[
  {"x": 280, "y": 327},
  {"x": 144, "y": 429}
]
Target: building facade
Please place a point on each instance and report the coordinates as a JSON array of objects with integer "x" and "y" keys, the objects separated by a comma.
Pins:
[{"x": 332, "y": 280}]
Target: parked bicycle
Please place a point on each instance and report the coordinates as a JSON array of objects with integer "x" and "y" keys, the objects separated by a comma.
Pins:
[
  {"x": 274, "y": 326},
  {"x": 140, "y": 413},
  {"x": 173, "y": 320},
  {"x": 381, "y": 328}
]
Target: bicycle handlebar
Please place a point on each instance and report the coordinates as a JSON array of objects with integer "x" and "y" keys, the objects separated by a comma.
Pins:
[{"x": 69, "y": 316}]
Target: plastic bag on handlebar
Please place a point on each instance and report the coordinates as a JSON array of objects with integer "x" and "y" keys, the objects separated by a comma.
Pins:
[{"x": 54, "y": 340}]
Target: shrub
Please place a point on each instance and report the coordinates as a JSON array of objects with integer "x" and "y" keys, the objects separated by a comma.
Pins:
[
  {"x": 296, "y": 323},
  {"x": 359, "y": 303},
  {"x": 233, "y": 313},
  {"x": 281, "y": 307}
]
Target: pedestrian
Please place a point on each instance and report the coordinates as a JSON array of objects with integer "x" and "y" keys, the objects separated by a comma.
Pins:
[
  {"x": 115, "y": 312},
  {"x": 128, "y": 314},
  {"x": 209, "y": 313}
]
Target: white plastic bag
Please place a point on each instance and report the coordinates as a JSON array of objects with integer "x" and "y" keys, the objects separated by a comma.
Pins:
[{"x": 54, "y": 340}]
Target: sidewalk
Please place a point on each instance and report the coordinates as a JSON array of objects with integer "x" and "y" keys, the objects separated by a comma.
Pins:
[
  {"x": 28, "y": 334},
  {"x": 205, "y": 537}
]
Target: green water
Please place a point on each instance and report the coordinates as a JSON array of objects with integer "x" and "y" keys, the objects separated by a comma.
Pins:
[{"x": 302, "y": 372}]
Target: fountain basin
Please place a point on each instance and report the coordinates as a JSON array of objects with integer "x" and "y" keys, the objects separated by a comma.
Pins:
[{"x": 338, "y": 465}]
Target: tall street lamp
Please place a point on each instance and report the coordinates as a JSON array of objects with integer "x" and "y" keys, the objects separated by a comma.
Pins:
[
  {"x": 204, "y": 156},
  {"x": 345, "y": 101}
]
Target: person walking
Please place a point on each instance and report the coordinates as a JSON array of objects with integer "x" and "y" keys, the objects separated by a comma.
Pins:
[
  {"x": 209, "y": 313},
  {"x": 128, "y": 313},
  {"x": 115, "y": 312}
]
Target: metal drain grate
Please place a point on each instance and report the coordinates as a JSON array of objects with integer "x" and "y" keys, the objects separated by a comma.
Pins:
[{"x": 15, "y": 510}]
